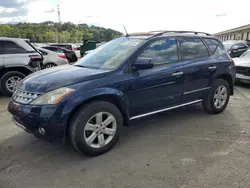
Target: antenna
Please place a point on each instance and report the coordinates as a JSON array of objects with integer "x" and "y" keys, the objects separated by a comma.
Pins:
[{"x": 125, "y": 30}]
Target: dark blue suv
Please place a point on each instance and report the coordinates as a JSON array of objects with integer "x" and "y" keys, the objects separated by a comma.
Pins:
[{"x": 127, "y": 78}]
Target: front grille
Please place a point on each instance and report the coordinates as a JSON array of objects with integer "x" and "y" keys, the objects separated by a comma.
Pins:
[
  {"x": 25, "y": 97},
  {"x": 243, "y": 70}
]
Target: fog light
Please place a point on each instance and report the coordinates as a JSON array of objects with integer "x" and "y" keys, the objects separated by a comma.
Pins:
[{"x": 41, "y": 130}]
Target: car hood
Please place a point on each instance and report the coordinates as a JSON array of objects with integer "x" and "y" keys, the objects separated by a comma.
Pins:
[
  {"x": 242, "y": 62},
  {"x": 53, "y": 78}
]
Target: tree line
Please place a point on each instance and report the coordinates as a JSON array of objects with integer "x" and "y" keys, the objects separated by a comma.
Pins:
[{"x": 46, "y": 32}]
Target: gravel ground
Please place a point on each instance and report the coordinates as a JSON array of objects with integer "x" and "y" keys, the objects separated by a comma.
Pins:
[{"x": 183, "y": 148}]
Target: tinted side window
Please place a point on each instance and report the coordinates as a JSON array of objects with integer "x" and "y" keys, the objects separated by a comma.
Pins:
[
  {"x": 68, "y": 47},
  {"x": 43, "y": 52},
  {"x": 54, "y": 49},
  {"x": 239, "y": 45},
  {"x": 58, "y": 50},
  {"x": 9, "y": 47},
  {"x": 162, "y": 51},
  {"x": 215, "y": 46},
  {"x": 192, "y": 48},
  {"x": 2, "y": 47}
]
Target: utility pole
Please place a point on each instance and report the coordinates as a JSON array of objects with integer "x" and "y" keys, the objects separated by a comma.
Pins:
[{"x": 57, "y": 32}]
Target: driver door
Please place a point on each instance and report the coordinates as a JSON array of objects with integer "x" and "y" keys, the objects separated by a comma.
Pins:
[{"x": 161, "y": 86}]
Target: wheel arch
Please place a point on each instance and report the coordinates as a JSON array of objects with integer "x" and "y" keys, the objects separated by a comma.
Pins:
[
  {"x": 108, "y": 97},
  {"x": 21, "y": 69},
  {"x": 230, "y": 81}
]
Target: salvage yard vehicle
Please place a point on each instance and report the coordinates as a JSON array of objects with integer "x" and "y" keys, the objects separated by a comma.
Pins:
[
  {"x": 71, "y": 47},
  {"x": 243, "y": 67},
  {"x": 52, "y": 59},
  {"x": 18, "y": 58},
  {"x": 131, "y": 77},
  {"x": 70, "y": 54},
  {"x": 235, "y": 48}
]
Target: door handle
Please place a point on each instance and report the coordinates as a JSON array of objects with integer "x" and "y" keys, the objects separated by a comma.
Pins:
[
  {"x": 177, "y": 73},
  {"x": 212, "y": 68}
]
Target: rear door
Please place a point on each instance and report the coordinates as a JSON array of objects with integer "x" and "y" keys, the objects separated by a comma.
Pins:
[
  {"x": 161, "y": 86},
  {"x": 198, "y": 67}
]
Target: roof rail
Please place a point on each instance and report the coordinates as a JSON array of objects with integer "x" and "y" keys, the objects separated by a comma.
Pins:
[
  {"x": 161, "y": 32},
  {"x": 194, "y": 32}
]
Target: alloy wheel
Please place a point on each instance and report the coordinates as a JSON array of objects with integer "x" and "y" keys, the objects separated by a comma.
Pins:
[
  {"x": 12, "y": 83},
  {"x": 100, "y": 130},
  {"x": 220, "y": 97},
  {"x": 49, "y": 66}
]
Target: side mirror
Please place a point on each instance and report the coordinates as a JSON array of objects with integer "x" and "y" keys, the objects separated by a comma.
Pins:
[{"x": 143, "y": 63}]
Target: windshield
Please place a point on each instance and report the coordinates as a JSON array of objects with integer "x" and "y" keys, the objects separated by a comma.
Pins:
[
  {"x": 110, "y": 55},
  {"x": 246, "y": 55}
]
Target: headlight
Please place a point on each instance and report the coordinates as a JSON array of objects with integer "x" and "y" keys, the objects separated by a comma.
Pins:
[{"x": 53, "y": 97}]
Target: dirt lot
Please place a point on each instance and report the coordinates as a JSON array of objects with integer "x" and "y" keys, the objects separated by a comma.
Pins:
[{"x": 184, "y": 148}]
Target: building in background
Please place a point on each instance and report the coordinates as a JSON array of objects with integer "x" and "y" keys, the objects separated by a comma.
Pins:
[{"x": 238, "y": 33}]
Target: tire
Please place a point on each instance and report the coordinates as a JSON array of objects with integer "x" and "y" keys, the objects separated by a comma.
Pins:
[
  {"x": 209, "y": 102},
  {"x": 49, "y": 65},
  {"x": 78, "y": 125},
  {"x": 5, "y": 79}
]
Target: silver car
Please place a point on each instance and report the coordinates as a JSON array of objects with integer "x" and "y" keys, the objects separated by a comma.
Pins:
[
  {"x": 52, "y": 59},
  {"x": 18, "y": 58},
  {"x": 242, "y": 64}
]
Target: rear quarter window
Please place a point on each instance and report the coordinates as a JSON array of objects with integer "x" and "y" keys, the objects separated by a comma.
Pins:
[
  {"x": 192, "y": 48},
  {"x": 215, "y": 46},
  {"x": 240, "y": 45}
]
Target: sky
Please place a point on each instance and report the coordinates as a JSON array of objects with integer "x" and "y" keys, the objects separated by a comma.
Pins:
[{"x": 200, "y": 15}]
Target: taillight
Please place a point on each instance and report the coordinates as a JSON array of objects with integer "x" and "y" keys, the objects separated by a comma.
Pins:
[
  {"x": 35, "y": 56},
  {"x": 62, "y": 56}
]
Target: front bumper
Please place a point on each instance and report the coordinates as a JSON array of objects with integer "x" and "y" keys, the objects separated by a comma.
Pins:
[
  {"x": 242, "y": 78},
  {"x": 32, "y": 118}
]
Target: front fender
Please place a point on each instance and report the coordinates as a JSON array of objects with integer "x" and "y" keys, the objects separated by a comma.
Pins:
[{"x": 81, "y": 97}]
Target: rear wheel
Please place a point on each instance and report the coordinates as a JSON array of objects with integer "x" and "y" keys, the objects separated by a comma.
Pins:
[
  {"x": 95, "y": 128},
  {"x": 217, "y": 99},
  {"x": 10, "y": 81}
]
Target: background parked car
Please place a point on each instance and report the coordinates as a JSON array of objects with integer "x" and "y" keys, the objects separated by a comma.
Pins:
[
  {"x": 70, "y": 55},
  {"x": 235, "y": 48},
  {"x": 248, "y": 42},
  {"x": 18, "y": 58},
  {"x": 243, "y": 67},
  {"x": 52, "y": 59},
  {"x": 71, "y": 47}
]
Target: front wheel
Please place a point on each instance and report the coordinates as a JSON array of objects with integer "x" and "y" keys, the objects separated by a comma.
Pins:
[
  {"x": 10, "y": 81},
  {"x": 95, "y": 128},
  {"x": 217, "y": 99}
]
